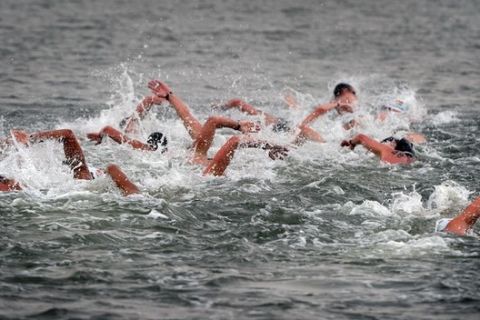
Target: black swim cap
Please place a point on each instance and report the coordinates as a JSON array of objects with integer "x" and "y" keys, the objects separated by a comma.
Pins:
[
  {"x": 405, "y": 146},
  {"x": 281, "y": 125},
  {"x": 339, "y": 88},
  {"x": 402, "y": 145},
  {"x": 123, "y": 122},
  {"x": 157, "y": 138}
]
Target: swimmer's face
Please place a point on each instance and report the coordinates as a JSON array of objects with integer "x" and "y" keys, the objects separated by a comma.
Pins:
[
  {"x": 349, "y": 97},
  {"x": 348, "y": 100}
]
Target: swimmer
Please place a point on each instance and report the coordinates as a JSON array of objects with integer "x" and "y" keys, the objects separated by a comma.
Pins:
[
  {"x": 390, "y": 150},
  {"x": 75, "y": 158},
  {"x": 156, "y": 141},
  {"x": 202, "y": 135},
  {"x": 462, "y": 223},
  {"x": 344, "y": 100},
  {"x": 193, "y": 126}
]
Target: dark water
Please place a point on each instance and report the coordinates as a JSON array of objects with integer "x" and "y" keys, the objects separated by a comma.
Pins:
[{"x": 326, "y": 234}]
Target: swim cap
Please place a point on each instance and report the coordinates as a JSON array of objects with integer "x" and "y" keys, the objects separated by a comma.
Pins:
[
  {"x": 397, "y": 105},
  {"x": 405, "y": 146},
  {"x": 123, "y": 122},
  {"x": 281, "y": 125},
  {"x": 339, "y": 88},
  {"x": 402, "y": 145},
  {"x": 441, "y": 224},
  {"x": 157, "y": 138}
]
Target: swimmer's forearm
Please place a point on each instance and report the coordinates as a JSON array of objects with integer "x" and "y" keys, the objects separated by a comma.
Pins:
[
  {"x": 320, "y": 110},
  {"x": 224, "y": 122},
  {"x": 144, "y": 106},
  {"x": 369, "y": 144}
]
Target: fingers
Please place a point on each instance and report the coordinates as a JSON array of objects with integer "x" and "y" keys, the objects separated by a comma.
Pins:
[{"x": 159, "y": 88}]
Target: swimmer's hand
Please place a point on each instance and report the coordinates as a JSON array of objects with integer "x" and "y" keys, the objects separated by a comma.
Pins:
[
  {"x": 277, "y": 152},
  {"x": 160, "y": 89},
  {"x": 248, "y": 126},
  {"x": 348, "y": 143},
  {"x": 95, "y": 137},
  {"x": 20, "y": 136}
]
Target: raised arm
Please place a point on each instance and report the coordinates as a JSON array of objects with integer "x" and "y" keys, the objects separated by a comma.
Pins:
[
  {"x": 141, "y": 111},
  {"x": 191, "y": 123},
  {"x": 71, "y": 147},
  {"x": 465, "y": 220}
]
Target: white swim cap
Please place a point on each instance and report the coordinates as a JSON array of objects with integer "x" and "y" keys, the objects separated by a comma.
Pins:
[{"x": 441, "y": 224}]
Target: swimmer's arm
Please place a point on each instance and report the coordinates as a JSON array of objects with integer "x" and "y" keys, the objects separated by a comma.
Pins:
[
  {"x": 465, "y": 220},
  {"x": 118, "y": 137},
  {"x": 275, "y": 151},
  {"x": 121, "y": 180},
  {"x": 224, "y": 122},
  {"x": 317, "y": 112},
  {"x": 370, "y": 144},
  {"x": 291, "y": 101},
  {"x": 147, "y": 103},
  {"x": 249, "y": 109},
  {"x": 141, "y": 110},
  {"x": 307, "y": 133}
]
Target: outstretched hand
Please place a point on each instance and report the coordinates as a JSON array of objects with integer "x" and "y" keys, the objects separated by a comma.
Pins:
[
  {"x": 277, "y": 153},
  {"x": 159, "y": 88},
  {"x": 248, "y": 126},
  {"x": 20, "y": 136}
]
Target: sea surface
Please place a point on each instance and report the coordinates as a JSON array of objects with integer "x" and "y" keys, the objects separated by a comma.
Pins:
[{"x": 328, "y": 233}]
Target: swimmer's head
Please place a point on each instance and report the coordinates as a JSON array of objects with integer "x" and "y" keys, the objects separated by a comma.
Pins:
[
  {"x": 342, "y": 88},
  {"x": 396, "y": 106},
  {"x": 156, "y": 139},
  {"x": 401, "y": 145},
  {"x": 281, "y": 125}
]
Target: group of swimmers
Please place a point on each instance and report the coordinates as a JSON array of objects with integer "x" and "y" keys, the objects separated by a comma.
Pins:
[{"x": 391, "y": 150}]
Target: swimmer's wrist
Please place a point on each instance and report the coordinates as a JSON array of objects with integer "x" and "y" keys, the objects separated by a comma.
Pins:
[
  {"x": 238, "y": 126},
  {"x": 168, "y": 96}
]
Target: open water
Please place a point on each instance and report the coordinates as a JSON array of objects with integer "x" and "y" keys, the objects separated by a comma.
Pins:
[{"x": 326, "y": 234}]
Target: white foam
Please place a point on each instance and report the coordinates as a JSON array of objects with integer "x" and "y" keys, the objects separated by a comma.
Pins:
[
  {"x": 447, "y": 196},
  {"x": 444, "y": 117},
  {"x": 371, "y": 209},
  {"x": 157, "y": 215}
]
